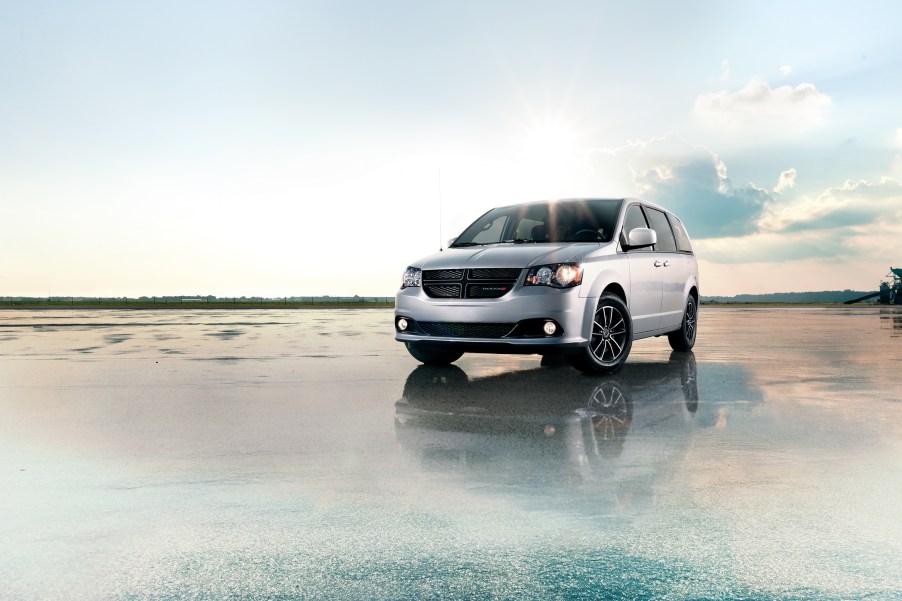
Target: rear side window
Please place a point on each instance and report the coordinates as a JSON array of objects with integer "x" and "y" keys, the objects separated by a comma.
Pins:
[
  {"x": 659, "y": 223},
  {"x": 633, "y": 219},
  {"x": 682, "y": 238}
]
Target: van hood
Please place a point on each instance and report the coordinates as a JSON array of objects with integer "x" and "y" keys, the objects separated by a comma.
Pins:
[{"x": 507, "y": 255}]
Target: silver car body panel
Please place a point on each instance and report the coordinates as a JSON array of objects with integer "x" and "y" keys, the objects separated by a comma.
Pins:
[{"x": 655, "y": 285}]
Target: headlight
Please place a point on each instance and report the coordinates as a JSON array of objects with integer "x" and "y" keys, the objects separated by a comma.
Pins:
[
  {"x": 558, "y": 275},
  {"x": 412, "y": 277}
]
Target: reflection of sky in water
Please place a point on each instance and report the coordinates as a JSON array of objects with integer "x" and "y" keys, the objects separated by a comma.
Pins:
[{"x": 258, "y": 454}]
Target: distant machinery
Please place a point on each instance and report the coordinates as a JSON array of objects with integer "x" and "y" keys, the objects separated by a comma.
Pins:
[{"x": 890, "y": 293}]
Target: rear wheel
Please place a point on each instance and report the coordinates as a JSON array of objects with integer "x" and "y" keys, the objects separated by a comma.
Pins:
[
  {"x": 684, "y": 338},
  {"x": 611, "y": 339},
  {"x": 432, "y": 355}
]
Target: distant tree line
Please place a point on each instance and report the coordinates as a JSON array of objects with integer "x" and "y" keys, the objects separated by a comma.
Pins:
[{"x": 827, "y": 296}]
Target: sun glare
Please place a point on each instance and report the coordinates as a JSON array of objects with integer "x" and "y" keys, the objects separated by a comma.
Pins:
[
  {"x": 548, "y": 158},
  {"x": 549, "y": 138}
]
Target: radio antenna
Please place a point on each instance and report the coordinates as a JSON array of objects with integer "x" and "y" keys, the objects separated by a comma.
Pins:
[{"x": 441, "y": 240}]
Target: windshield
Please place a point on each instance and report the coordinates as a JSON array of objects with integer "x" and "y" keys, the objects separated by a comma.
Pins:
[{"x": 560, "y": 221}]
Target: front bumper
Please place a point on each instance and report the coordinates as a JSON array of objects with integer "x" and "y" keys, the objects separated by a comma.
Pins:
[{"x": 523, "y": 304}]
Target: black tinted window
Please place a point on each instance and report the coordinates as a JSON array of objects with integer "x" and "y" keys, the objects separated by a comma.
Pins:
[
  {"x": 659, "y": 223},
  {"x": 682, "y": 238}
]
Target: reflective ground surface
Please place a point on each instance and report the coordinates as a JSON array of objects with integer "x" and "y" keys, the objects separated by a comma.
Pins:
[{"x": 304, "y": 455}]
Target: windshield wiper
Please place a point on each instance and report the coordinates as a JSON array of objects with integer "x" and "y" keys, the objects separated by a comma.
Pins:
[{"x": 512, "y": 241}]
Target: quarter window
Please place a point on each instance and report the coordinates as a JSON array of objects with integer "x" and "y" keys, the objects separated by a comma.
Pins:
[
  {"x": 682, "y": 238},
  {"x": 659, "y": 223}
]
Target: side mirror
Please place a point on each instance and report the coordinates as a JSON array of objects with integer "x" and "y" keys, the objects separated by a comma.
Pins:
[{"x": 641, "y": 237}]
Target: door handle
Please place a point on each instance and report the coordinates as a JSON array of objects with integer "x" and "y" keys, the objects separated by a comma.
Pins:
[
  {"x": 658, "y": 263},
  {"x": 666, "y": 263}
]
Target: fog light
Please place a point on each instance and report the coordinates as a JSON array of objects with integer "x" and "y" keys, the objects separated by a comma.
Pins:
[
  {"x": 402, "y": 324},
  {"x": 549, "y": 328}
]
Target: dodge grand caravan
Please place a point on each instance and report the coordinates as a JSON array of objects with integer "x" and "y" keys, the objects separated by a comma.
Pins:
[{"x": 580, "y": 278}]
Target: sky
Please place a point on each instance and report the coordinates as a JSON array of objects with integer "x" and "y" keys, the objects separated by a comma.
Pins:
[{"x": 306, "y": 148}]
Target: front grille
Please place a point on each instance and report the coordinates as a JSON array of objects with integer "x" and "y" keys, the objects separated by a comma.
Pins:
[
  {"x": 466, "y": 330},
  {"x": 443, "y": 274},
  {"x": 469, "y": 283},
  {"x": 487, "y": 290},
  {"x": 442, "y": 290},
  {"x": 495, "y": 274}
]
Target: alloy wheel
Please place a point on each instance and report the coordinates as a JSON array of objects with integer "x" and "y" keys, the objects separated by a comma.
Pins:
[
  {"x": 608, "y": 410},
  {"x": 690, "y": 321},
  {"x": 608, "y": 334}
]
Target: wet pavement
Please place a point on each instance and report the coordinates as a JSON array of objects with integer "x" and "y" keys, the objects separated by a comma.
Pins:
[{"x": 304, "y": 455}]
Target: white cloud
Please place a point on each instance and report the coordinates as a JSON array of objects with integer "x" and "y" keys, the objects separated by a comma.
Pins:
[
  {"x": 851, "y": 205},
  {"x": 758, "y": 110},
  {"x": 690, "y": 180},
  {"x": 899, "y": 136},
  {"x": 853, "y": 221},
  {"x": 768, "y": 247},
  {"x": 725, "y": 69},
  {"x": 852, "y": 257},
  {"x": 786, "y": 70},
  {"x": 734, "y": 224},
  {"x": 787, "y": 180}
]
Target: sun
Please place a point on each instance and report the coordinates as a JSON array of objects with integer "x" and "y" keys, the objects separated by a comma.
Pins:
[
  {"x": 549, "y": 157},
  {"x": 549, "y": 138}
]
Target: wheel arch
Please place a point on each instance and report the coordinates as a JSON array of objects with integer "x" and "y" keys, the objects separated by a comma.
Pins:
[
  {"x": 693, "y": 292},
  {"x": 617, "y": 290},
  {"x": 612, "y": 287},
  {"x": 602, "y": 277}
]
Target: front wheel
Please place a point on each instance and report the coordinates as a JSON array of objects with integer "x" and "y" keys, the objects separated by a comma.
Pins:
[
  {"x": 432, "y": 355},
  {"x": 684, "y": 338},
  {"x": 611, "y": 339}
]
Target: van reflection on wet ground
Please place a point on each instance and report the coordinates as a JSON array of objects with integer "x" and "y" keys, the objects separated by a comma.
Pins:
[
  {"x": 304, "y": 455},
  {"x": 598, "y": 446}
]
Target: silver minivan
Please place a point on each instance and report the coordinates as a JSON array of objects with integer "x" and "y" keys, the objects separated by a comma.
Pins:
[{"x": 580, "y": 278}]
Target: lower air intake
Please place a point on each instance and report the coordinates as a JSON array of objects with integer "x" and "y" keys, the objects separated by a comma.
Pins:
[{"x": 466, "y": 330}]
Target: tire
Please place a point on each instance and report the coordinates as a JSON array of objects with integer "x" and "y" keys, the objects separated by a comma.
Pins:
[
  {"x": 684, "y": 338},
  {"x": 688, "y": 377},
  {"x": 432, "y": 355},
  {"x": 611, "y": 338},
  {"x": 430, "y": 386}
]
